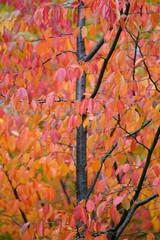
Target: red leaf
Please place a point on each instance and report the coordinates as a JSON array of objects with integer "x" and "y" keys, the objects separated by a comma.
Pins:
[
  {"x": 114, "y": 214},
  {"x": 22, "y": 93},
  {"x": 90, "y": 105},
  {"x": 88, "y": 235},
  {"x": 117, "y": 200},
  {"x": 83, "y": 215},
  {"x": 135, "y": 177},
  {"x": 126, "y": 167},
  {"x": 75, "y": 4},
  {"x": 70, "y": 123},
  {"x": 83, "y": 106},
  {"x": 90, "y": 205},
  {"x": 40, "y": 229},
  {"x": 108, "y": 113},
  {"x": 120, "y": 106},
  {"x": 46, "y": 209},
  {"x": 77, "y": 213},
  {"x": 11, "y": 46},
  {"x": 61, "y": 74},
  {"x": 55, "y": 136},
  {"x": 72, "y": 222}
]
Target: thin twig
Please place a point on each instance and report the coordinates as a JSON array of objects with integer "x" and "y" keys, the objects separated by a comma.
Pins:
[{"x": 14, "y": 220}]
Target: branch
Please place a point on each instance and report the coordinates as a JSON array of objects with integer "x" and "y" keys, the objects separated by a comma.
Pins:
[
  {"x": 149, "y": 75},
  {"x": 14, "y": 220},
  {"x": 150, "y": 151},
  {"x": 108, "y": 56},
  {"x": 17, "y": 197},
  {"x": 74, "y": 148},
  {"x": 59, "y": 55},
  {"x": 65, "y": 192},
  {"x": 132, "y": 211},
  {"x": 139, "y": 187},
  {"x": 94, "y": 50},
  {"x": 108, "y": 154}
]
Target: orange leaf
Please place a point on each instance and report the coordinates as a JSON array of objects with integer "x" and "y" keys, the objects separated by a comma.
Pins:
[
  {"x": 139, "y": 61},
  {"x": 47, "y": 33},
  {"x": 150, "y": 236},
  {"x": 96, "y": 165},
  {"x": 76, "y": 31}
]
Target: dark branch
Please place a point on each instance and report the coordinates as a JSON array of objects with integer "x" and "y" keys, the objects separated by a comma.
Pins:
[
  {"x": 17, "y": 197},
  {"x": 65, "y": 192},
  {"x": 132, "y": 211},
  {"x": 108, "y": 154},
  {"x": 146, "y": 67},
  {"x": 139, "y": 187},
  {"x": 150, "y": 151},
  {"x": 94, "y": 50},
  {"x": 108, "y": 56}
]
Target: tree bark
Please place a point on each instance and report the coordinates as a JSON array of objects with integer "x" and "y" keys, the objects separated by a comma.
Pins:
[{"x": 81, "y": 141}]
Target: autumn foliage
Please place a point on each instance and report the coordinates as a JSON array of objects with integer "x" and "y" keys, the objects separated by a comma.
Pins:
[{"x": 79, "y": 119}]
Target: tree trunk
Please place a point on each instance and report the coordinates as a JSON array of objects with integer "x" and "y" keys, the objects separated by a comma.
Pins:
[{"x": 81, "y": 173}]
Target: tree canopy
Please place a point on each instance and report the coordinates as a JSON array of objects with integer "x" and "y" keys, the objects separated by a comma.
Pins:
[{"x": 79, "y": 119}]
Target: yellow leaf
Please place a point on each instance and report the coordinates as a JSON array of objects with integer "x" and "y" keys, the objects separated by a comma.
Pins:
[
  {"x": 125, "y": 203},
  {"x": 85, "y": 123},
  {"x": 94, "y": 124},
  {"x": 84, "y": 32}
]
